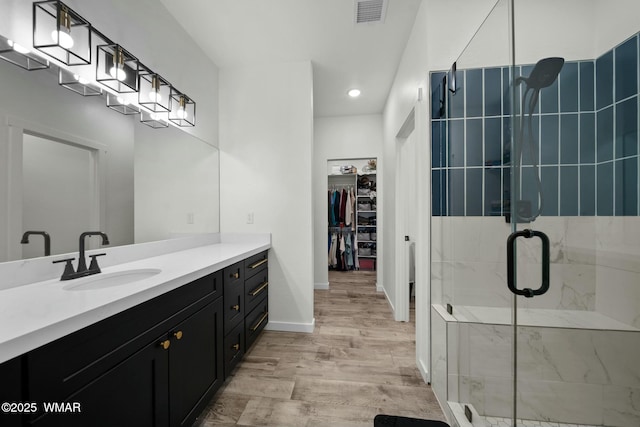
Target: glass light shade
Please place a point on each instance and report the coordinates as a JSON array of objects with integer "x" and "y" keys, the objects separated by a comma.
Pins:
[
  {"x": 61, "y": 33},
  {"x": 183, "y": 109},
  {"x": 155, "y": 92},
  {"x": 116, "y": 68}
]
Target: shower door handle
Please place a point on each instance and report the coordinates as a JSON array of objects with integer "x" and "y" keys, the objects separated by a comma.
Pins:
[{"x": 511, "y": 271}]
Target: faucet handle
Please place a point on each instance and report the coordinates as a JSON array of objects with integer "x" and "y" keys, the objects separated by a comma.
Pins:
[
  {"x": 68, "y": 268},
  {"x": 94, "y": 262}
]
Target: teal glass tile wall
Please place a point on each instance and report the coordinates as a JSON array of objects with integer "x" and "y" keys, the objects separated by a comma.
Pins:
[{"x": 585, "y": 128}]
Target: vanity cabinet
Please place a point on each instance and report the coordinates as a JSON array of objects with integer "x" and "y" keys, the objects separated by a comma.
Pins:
[
  {"x": 234, "y": 316},
  {"x": 157, "y": 364},
  {"x": 11, "y": 391},
  {"x": 246, "y": 303},
  {"x": 256, "y": 289}
]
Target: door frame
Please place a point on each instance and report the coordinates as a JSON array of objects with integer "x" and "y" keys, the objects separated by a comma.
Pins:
[
  {"x": 16, "y": 128},
  {"x": 418, "y": 124}
]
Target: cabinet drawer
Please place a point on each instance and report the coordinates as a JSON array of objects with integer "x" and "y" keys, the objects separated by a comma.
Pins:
[
  {"x": 255, "y": 288},
  {"x": 233, "y": 307},
  {"x": 233, "y": 348},
  {"x": 65, "y": 365},
  {"x": 255, "y": 322},
  {"x": 233, "y": 276},
  {"x": 256, "y": 263}
]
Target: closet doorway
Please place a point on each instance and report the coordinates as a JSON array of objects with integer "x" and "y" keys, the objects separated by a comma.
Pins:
[{"x": 352, "y": 209}]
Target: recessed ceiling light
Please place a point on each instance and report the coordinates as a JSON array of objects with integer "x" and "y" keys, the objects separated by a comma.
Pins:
[{"x": 354, "y": 93}]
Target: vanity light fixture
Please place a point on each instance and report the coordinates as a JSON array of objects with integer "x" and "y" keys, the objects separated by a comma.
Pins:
[
  {"x": 183, "y": 109},
  {"x": 154, "y": 92},
  {"x": 154, "y": 119},
  {"x": 77, "y": 83},
  {"x": 122, "y": 104},
  {"x": 21, "y": 56},
  {"x": 61, "y": 33},
  {"x": 116, "y": 68}
]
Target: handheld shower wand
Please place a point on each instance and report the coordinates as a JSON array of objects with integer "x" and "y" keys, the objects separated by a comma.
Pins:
[{"x": 543, "y": 75}]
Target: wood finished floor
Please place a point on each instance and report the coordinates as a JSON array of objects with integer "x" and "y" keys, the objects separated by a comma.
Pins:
[{"x": 357, "y": 363}]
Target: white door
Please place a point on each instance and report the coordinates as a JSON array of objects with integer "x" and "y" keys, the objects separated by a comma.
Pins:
[
  {"x": 408, "y": 206},
  {"x": 57, "y": 194}
]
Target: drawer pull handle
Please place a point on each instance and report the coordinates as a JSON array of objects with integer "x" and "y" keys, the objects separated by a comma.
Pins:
[
  {"x": 236, "y": 347},
  {"x": 178, "y": 335},
  {"x": 259, "y": 289},
  {"x": 235, "y": 275},
  {"x": 264, "y": 316},
  {"x": 236, "y": 307},
  {"x": 258, "y": 264},
  {"x": 165, "y": 344}
]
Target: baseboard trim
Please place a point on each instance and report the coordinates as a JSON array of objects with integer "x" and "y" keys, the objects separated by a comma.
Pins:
[
  {"x": 291, "y": 327},
  {"x": 321, "y": 286},
  {"x": 386, "y": 295},
  {"x": 379, "y": 288},
  {"x": 424, "y": 371}
]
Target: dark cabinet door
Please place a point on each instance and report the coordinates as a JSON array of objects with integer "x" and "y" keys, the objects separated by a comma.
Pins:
[
  {"x": 11, "y": 392},
  {"x": 195, "y": 363},
  {"x": 133, "y": 393}
]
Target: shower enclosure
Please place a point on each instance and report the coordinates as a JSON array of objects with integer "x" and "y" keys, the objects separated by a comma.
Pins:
[{"x": 535, "y": 227}]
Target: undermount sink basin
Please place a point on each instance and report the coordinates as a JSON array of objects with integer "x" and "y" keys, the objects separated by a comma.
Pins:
[{"x": 109, "y": 280}]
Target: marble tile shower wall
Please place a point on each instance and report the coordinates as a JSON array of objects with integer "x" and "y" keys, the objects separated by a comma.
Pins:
[
  {"x": 585, "y": 127},
  {"x": 576, "y": 376},
  {"x": 594, "y": 229}
]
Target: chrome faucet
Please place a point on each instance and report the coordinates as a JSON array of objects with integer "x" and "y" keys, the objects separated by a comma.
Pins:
[
  {"x": 82, "y": 270},
  {"x": 47, "y": 240}
]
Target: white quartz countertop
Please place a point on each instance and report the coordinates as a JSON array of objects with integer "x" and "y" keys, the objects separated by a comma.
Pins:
[{"x": 35, "y": 314}]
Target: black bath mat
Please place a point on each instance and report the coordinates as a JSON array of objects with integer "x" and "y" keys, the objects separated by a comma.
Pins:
[{"x": 393, "y": 421}]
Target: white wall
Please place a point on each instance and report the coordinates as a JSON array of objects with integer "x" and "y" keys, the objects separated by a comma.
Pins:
[
  {"x": 345, "y": 137},
  {"x": 573, "y": 29},
  {"x": 439, "y": 35},
  {"x": 177, "y": 185},
  {"x": 266, "y": 146}
]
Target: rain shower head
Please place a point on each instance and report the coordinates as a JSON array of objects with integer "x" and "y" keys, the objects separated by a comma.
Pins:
[{"x": 544, "y": 73}]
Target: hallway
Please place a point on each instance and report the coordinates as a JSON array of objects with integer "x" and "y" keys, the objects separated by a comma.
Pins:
[{"x": 356, "y": 364}]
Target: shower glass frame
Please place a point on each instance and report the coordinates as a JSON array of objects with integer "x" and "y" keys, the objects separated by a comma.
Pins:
[{"x": 510, "y": 358}]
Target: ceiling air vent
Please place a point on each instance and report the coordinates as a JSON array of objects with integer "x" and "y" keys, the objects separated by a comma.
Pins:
[{"x": 368, "y": 11}]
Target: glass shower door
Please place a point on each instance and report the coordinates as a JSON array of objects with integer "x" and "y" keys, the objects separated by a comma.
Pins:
[
  {"x": 472, "y": 308},
  {"x": 574, "y": 253},
  {"x": 535, "y": 223}
]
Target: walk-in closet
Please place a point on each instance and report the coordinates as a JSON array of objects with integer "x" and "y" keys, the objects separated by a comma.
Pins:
[{"x": 352, "y": 214}]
